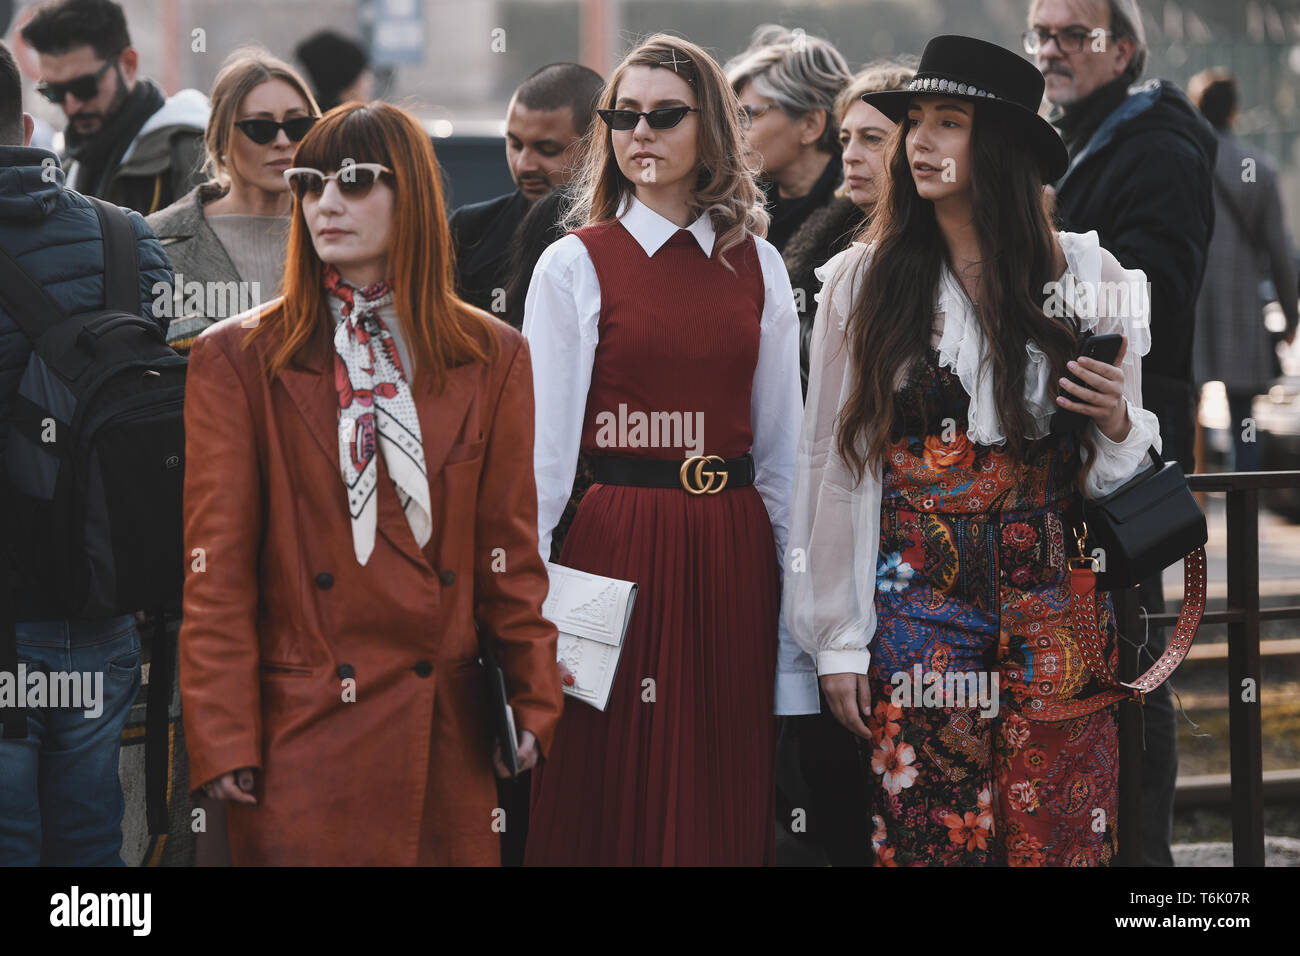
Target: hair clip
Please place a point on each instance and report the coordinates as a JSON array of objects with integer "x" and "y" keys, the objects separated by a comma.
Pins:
[{"x": 674, "y": 63}]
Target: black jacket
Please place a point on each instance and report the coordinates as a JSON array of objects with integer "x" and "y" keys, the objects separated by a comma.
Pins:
[
  {"x": 480, "y": 234},
  {"x": 789, "y": 214},
  {"x": 825, "y": 232},
  {"x": 147, "y": 162},
  {"x": 1144, "y": 182},
  {"x": 53, "y": 232}
]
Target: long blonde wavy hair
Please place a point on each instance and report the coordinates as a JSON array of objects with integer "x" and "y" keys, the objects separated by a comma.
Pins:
[{"x": 726, "y": 186}]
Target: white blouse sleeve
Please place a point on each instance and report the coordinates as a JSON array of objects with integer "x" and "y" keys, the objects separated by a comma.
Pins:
[
  {"x": 830, "y": 567},
  {"x": 1124, "y": 306},
  {"x": 561, "y": 321},
  {"x": 774, "y": 409}
]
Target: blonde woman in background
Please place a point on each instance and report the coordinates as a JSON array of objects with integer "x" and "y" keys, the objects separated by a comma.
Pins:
[{"x": 229, "y": 234}]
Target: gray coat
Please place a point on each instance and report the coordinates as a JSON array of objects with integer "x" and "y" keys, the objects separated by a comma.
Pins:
[
  {"x": 1249, "y": 244},
  {"x": 197, "y": 255}
]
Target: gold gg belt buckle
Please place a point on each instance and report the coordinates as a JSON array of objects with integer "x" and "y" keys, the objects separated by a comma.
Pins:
[{"x": 693, "y": 480}]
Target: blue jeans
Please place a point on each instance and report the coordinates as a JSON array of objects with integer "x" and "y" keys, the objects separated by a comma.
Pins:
[{"x": 61, "y": 800}]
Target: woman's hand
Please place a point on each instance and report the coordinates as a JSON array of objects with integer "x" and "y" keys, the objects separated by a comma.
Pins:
[
  {"x": 527, "y": 748},
  {"x": 849, "y": 696},
  {"x": 237, "y": 786},
  {"x": 1101, "y": 396},
  {"x": 527, "y": 751}
]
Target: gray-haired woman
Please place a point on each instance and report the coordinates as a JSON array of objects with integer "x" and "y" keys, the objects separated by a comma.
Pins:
[
  {"x": 787, "y": 83},
  {"x": 226, "y": 238}
]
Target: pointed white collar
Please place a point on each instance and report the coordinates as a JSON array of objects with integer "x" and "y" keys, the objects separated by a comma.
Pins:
[{"x": 652, "y": 230}]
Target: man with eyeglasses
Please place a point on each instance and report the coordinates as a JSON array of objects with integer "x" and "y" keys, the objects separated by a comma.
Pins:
[
  {"x": 1141, "y": 162},
  {"x": 546, "y": 120},
  {"x": 129, "y": 144}
]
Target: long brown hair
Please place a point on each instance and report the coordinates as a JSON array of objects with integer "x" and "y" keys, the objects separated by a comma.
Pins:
[
  {"x": 889, "y": 328},
  {"x": 440, "y": 330},
  {"x": 726, "y": 186}
]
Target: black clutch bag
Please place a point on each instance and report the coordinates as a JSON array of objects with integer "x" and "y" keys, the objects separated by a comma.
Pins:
[
  {"x": 503, "y": 713},
  {"x": 1143, "y": 526}
]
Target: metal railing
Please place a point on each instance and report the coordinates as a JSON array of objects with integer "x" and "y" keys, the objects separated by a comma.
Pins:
[{"x": 1243, "y": 617}]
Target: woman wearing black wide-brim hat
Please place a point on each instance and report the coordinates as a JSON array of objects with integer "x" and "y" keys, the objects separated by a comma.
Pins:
[{"x": 929, "y": 456}]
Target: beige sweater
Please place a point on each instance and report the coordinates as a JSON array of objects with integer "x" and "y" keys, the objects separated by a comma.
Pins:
[{"x": 256, "y": 246}]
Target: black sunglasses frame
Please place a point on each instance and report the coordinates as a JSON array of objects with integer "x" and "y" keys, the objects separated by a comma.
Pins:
[
  {"x": 655, "y": 119},
  {"x": 58, "y": 92},
  {"x": 246, "y": 127}
]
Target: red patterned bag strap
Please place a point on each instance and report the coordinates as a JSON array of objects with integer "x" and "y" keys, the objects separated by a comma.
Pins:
[{"x": 1083, "y": 607}]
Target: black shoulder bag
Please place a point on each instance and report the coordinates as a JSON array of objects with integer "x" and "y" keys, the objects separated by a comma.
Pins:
[
  {"x": 1143, "y": 526},
  {"x": 1137, "y": 530}
]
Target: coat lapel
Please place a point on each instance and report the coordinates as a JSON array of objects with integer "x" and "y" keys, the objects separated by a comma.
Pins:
[
  {"x": 187, "y": 236},
  {"x": 441, "y": 415},
  {"x": 312, "y": 389}
]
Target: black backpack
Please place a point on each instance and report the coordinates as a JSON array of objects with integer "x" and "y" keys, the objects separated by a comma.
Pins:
[
  {"x": 96, "y": 446},
  {"x": 95, "y": 468}
]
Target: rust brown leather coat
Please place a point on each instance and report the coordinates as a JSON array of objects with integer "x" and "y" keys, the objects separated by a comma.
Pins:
[{"x": 278, "y": 614}]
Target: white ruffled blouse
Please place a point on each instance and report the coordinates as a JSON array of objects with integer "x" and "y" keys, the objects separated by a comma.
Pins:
[{"x": 830, "y": 571}]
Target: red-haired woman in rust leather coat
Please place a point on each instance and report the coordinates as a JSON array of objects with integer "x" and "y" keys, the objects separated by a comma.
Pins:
[{"x": 359, "y": 502}]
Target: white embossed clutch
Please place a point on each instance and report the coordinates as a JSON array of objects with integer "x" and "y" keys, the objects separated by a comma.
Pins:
[{"x": 592, "y": 613}]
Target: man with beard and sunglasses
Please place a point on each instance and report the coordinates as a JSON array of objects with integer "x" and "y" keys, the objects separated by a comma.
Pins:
[
  {"x": 129, "y": 144},
  {"x": 547, "y": 118},
  {"x": 1140, "y": 174}
]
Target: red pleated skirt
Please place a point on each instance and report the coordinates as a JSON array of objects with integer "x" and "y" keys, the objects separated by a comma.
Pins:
[{"x": 678, "y": 769}]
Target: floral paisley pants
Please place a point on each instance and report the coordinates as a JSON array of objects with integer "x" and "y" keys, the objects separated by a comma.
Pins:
[{"x": 973, "y": 631}]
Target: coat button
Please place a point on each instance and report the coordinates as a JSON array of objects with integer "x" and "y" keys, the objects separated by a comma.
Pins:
[
  {"x": 423, "y": 668},
  {"x": 324, "y": 580},
  {"x": 448, "y": 578},
  {"x": 346, "y": 671}
]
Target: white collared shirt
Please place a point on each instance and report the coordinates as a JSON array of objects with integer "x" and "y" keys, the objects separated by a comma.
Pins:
[
  {"x": 652, "y": 230},
  {"x": 561, "y": 323}
]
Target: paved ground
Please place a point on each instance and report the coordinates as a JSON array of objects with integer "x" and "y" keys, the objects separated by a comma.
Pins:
[{"x": 1278, "y": 851}]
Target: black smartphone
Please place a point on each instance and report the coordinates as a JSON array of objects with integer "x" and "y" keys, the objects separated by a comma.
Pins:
[{"x": 1103, "y": 348}]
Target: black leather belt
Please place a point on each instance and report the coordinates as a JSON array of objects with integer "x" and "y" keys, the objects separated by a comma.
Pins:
[{"x": 701, "y": 475}]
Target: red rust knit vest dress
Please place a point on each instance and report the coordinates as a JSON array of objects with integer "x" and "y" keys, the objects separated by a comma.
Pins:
[{"x": 678, "y": 770}]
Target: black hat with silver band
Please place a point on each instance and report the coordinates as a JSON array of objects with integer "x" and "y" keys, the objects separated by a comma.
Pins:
[{"x": 992, "y": 76}]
